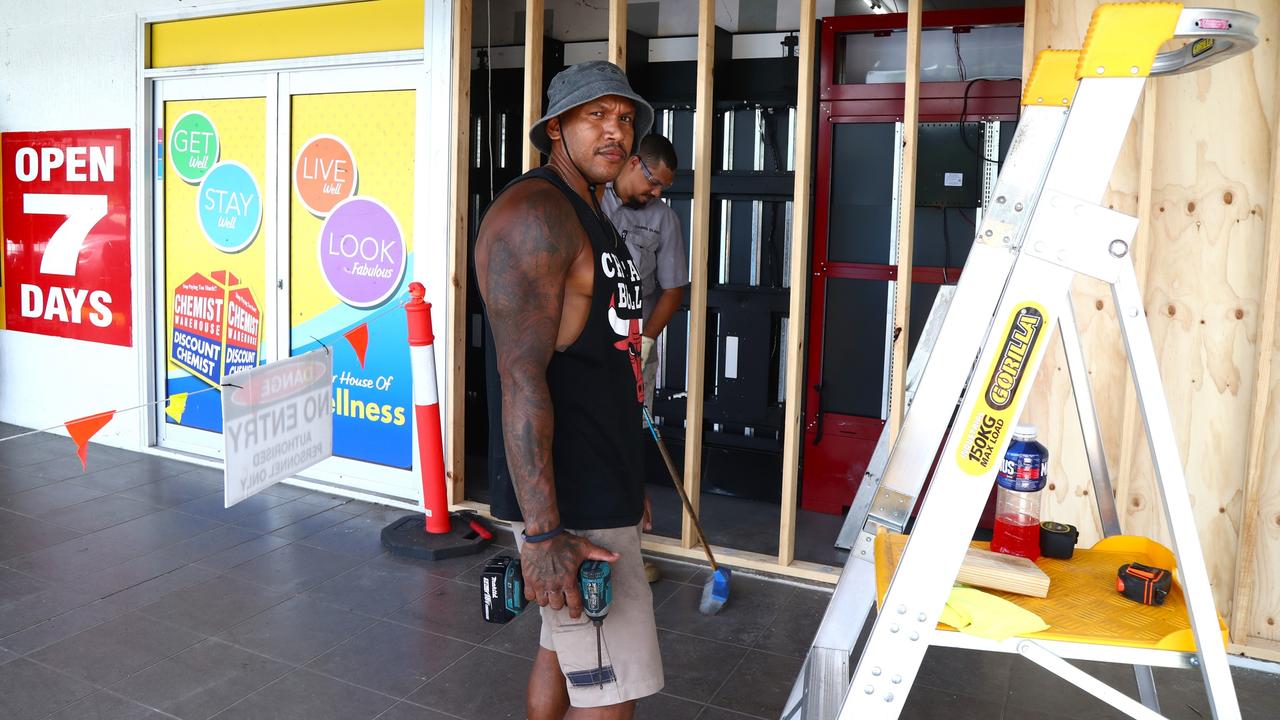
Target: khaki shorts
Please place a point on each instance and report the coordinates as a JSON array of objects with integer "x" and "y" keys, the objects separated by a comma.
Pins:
[{"x": 634, "y": 667}]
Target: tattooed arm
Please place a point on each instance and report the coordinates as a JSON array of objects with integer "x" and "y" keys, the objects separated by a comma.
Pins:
[{"x": 530, "y": 257}]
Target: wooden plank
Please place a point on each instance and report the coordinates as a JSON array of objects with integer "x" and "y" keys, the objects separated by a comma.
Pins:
[
  {"x": 459, "y": 168},
  {"x": 729, "y": 557},
  {"x": 1257, "y": 649},
  {"x": 699, "y": 236},
  {"x": 906, "y": 224},
  {"x": 618, "y": 33},
  {"x": 532, "y": 79},
  {"x": 742, "y": 559},
  {"x": 1256, "y": 598},
  {"x": 801, "y": 209},
  {"x": 985, "y": 568},
  {"x": 1029, "y": 49}
]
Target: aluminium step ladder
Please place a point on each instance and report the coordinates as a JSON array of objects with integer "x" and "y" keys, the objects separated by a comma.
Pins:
[{"x": 1044, "y": 227}]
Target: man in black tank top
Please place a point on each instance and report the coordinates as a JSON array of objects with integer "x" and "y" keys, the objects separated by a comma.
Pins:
[{"x": 563, "y": 303}]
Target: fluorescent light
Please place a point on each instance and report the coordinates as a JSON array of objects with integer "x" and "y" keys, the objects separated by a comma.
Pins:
[{"x": 876, "y": 6}]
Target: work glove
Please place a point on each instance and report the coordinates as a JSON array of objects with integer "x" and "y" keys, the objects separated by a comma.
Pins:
[{"x": 646, "y": 349}]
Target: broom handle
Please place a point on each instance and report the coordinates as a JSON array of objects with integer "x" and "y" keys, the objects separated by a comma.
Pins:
[{"x": 675, "y": 478}]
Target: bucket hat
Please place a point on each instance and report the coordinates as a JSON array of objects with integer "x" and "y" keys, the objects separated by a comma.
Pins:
[{"x": 582, "y": 83}]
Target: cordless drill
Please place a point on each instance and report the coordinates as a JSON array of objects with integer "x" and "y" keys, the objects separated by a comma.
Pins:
[{"x": 596, "y": 583}]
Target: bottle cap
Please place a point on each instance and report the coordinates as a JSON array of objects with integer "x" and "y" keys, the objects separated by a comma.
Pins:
[{"x": 1025, "y": 432}]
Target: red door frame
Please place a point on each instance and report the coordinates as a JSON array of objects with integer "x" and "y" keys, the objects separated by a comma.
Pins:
[{"x": 838, "y": 447}]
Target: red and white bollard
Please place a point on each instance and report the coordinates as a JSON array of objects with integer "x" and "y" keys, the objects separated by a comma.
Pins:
[
  {"x": 437, "y": 538},
  {"x": 426, "y": 410}
]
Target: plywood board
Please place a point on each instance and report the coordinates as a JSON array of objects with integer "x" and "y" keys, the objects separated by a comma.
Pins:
[{"x": 532, "y": 79}]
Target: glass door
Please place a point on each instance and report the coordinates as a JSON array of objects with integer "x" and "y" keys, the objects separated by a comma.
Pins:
[
  {"x": 215, "y": 246},
  {"x": 284, "y": 223},
  {"x": 349, "y": 174}
]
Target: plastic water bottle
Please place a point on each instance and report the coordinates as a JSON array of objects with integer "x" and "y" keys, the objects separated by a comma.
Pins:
[{"x": 1021, "y": 479}]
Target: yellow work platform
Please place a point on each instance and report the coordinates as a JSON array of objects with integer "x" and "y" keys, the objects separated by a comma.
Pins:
[{"x": 1083, "y": 605}]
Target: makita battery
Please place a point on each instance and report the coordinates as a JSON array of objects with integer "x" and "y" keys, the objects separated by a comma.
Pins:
[{"x": 503, "y": 587}]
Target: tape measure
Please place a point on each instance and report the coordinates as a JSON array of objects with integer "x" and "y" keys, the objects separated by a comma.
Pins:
[
  {"x": 1058, "y": 540},
  {"x": 1143, "y": 583}
]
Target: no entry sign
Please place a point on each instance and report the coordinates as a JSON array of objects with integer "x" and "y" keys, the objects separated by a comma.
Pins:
[{"x": 66, "y": 230}]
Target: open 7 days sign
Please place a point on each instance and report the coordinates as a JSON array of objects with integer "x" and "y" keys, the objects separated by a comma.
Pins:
[{"x": 66, "y": 234}]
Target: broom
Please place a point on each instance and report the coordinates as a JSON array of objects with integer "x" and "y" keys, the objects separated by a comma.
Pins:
[{"x": 715, "y": 592}]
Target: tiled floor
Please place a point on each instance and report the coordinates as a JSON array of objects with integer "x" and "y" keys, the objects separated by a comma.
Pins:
[{"x": 129, "y": 593}]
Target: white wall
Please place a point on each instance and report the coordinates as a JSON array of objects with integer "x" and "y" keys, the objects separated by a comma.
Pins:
[{"x": 71, "y": 64}]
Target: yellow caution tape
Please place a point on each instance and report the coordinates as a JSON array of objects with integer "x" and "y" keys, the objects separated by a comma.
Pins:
[
  {"x": 1053, "y": 78},
  {"x": 1123, "y": 38}
]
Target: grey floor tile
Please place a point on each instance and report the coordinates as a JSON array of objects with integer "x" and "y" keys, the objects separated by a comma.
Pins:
[
  {"x": 103, "y": 705},
  {"x": 256, "y": 546},
  {"x": 454, "y": 690},
  {"x": 293, "y": 568},
  {"x": 67, "y": 466},
  {"x": 304, "y": 695},
  {"x": 211, "y": 476},
  {"x": 49, "y": 497},
  {"x": 29, "y": 691},
  {"x": 35, "y": 609},
  {"x": 20, "y": 535},
  {"x": 13, "y": 481},
  {"x": 324, "y": 500},
  {"x": 696, "y": 667},
  {"x": 140, "y": 471},
  {"x": 1182, "y": 693},
  {"x": 386, "y": 514},
  {"x": 160, "y": 529},
  {"x": 116, "y": 649},
  {"x": 170, "y": 491},
  {"x": 99, "y": 514},
  {"x": 286, "y": 491},
  {"x": 211, "y": 507},
  {"x": 666, "y": 707},
  {"x": 520, "y": 636},
  {"x": 59, "y": 628},
  {"x": 760, "y": 684},
  {"x": 1034, "y": 688},
  {"x": 215, "y": 605},
  {"x": 7, "y": 657},
  {"x": 409, "y": 711},
  {"x": 74, "y": 558},
  {"x": 357, "y": 536},
  {"x": 296, "y": 630},
  {"x": 148, "y": 592},
  {"x": 208, "y": 544},
  {"x": 280, "y": 516},
  {"x": 32, "y": 450},
  {"x": 451, "y": 609},
  {"x": 390, "y": 658},
  {"x": 663, "y": 589},
  {"x": 674, "y": 570},
  {"x": 753, "y": 605},
  {"x": 715, "y": 713},
  {"x": 961, "y": 671},
  {"x": 927, "y": 703},
  {"x": 792, "y": 630},
  {"x": 202, "y": 680},
  {"x": 15, "y": 586},
  {"x": 376, "y": 588},
  {"x": 312, "y": 524}
]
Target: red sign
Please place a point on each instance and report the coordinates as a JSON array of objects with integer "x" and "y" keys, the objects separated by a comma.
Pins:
[{"x": 66, "y": 234}]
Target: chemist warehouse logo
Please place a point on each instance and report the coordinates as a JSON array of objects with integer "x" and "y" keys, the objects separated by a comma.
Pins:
[
  {"x": 267, "y": 387},
  {"x": 993, "y": 413}
]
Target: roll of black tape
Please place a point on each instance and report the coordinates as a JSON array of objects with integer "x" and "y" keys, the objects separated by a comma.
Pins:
[{"x": 1058, "y": 540}]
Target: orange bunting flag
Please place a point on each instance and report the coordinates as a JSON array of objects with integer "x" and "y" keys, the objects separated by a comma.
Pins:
[
  {"x": 358, "y": 336},
  {"x": 84, "y": 428}
]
